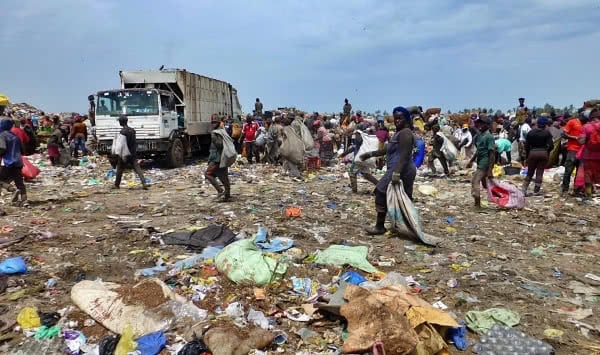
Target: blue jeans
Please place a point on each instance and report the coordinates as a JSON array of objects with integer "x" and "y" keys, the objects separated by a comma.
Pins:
[{"x": 78, "y": 143}]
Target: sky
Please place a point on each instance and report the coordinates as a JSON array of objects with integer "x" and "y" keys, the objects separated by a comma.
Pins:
[{"x": 310, "y": 54}]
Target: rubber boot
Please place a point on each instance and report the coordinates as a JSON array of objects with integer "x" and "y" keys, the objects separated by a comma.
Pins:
[
  {"x": 379, "y": 227},
  {"x": 215, "y": 184},
  {"x": 536, "y": 189},
  {"x": 227, "y": 192},
  {"x": 353, "y": 183}
]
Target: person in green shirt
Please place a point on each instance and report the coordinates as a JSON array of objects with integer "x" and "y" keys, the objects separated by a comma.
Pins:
[
  {"x": 503, "y": 145},
  {"x": 485, "y": 156}
]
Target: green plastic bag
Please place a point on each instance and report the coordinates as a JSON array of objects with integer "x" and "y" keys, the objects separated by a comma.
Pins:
[
  {"x": 482, "y": 322},
  {"x": 340, "y": 255},
  {"x": 44, "y": 332},
  {"x": 242, "y": 262}
]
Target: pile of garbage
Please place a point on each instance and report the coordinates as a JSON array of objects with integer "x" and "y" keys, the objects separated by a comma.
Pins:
[{"x": 166, "y": 272}]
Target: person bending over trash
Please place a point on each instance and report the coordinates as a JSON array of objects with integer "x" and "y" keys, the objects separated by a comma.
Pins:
[
  {"x": 11, "y": 151},
  {"x": 364, "y": 170},
  {"x": 437, "y": 142},
  {"x": 400, "y": 165}
]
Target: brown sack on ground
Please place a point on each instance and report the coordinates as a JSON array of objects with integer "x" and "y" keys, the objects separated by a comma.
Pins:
[
  {"x": 231, "y": 341},
  {"x": 377, "y": 316}
]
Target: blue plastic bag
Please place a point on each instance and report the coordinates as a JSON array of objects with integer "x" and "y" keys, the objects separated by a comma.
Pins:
[
  {"x": 14, "y": 265},
  {"x": 458, "y": 336},
  {"x": 151, "y": 344},
  {"x": 353, "y": 277}
]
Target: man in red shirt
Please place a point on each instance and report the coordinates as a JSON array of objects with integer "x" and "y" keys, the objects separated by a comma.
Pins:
[
  {"x": 249, "y": 135},
  {"x": 21, "y": 134},
  {"x": 571, "y": 132}
]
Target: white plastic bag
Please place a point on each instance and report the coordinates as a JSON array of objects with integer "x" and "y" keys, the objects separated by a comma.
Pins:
[
  {"x": 448, "y": 149},
  {"x": 370, "y": 143},
  {"x": 119, "y": 147},
  {"x": 229, "y": 154}
]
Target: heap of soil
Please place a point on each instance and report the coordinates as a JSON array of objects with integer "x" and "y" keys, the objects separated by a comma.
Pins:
[
  {"x": 95, "y": 332},
  {"x": 147, "y": 293}
]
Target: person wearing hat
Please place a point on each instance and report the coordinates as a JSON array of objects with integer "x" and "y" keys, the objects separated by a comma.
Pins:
[
  {"x": 484, "y": 156},
  {"x": 214, "y": 170},
  {"x": 130, "y": 160},
  {"x": 400, "y": 165},
  {"x": 11, "y": 151},
  {"x": 465, "y": 138},
  {"x": 538, "y": 145}
]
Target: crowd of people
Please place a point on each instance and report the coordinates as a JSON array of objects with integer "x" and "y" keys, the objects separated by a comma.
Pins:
[
  {"x": 542, "y": 139},
  {"x": 292, "y": 139}
]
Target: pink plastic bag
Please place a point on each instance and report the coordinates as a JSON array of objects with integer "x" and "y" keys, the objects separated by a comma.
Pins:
[
  {"x": 505, "y": 195},
  {"x": 29, "y": 170}
]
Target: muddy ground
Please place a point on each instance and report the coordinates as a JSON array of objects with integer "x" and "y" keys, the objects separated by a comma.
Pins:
[{"x": 522, "y": 260}]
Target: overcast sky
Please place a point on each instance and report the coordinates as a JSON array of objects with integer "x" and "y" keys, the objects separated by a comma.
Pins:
[{"x": 310, "y": 54}]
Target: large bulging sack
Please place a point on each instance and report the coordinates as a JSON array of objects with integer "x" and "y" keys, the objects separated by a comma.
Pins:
[
  {"x": 119, "y": 147},
  {"x": 370, "y": 143},
  {"x": 307, "y": 138},
  {"x": 229, "y": 154},
  {"x": 292, "y": 148},
  {"x": 505, "y": 195},
  {"x": 448, "y": 149},
  {"x": 244, "y": 263},
  {"x": 117, "y": 307}
]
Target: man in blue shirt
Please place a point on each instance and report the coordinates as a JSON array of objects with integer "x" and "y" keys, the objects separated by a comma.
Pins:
[{"x": 10, "y": 151}]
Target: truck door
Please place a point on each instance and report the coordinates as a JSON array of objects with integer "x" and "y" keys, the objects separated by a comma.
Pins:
[{"x": 168, "y": 116}]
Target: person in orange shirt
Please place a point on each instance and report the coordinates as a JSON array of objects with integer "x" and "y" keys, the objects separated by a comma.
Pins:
[
  {"x": 78, "y": 136},
  {"x": 571, "y": 132}
]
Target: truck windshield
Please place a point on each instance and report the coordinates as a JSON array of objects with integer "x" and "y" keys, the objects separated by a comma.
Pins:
[{"x": 130, "y": 103}]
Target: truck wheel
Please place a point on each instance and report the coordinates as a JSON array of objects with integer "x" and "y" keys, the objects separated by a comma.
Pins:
[{"x": 176, "y": 154}]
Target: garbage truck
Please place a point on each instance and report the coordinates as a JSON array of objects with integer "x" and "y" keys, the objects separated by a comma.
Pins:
[{"x": 170, "y": 110}]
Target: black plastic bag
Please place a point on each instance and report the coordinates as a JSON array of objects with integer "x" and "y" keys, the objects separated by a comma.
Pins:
[
  {"x": 195, "y": 347},
  {"x": 49, "y": 319},
  {"x": 108, "y": 344}
]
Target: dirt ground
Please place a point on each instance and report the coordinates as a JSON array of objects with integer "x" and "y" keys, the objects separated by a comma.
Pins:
[{"x": 524, "y": 260}]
